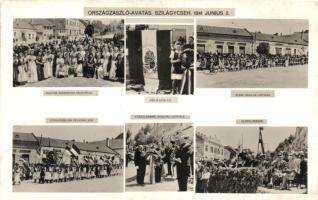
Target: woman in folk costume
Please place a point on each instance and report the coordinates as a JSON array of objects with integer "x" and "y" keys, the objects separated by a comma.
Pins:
[
  {"x": 40, "y": 65},
  {"x": 93, "y": 172},
  {"x": 36, "y": 175},
  {"x": 47, "y": 65},
  {"x": 48, "y": 176},
  {"x": 33, "y": 74},
  {"x": 120, "y": 72},
  {"x": 106, "y": 56},
  {"x": 73, "y": 61},
  {"x": 112, "y": 71},
  {"x": 80, "y": 60},
  {"x": 22, "y": 77},
  {"x": 103, "y": 171},
  {"x": 17, "y": 175},
  {"x": 15, "y": 69},
  {"x": 90, "y": 66},
  {"x": 176, "y": 69},
  {"x": 83, "y": 172},
  {"x": 61, "y": 175},
  {"x": 50, "y": 58},
  {"x": 55, "y": 176},
  {"x": 70, "y": 173},
  {"x": 99, "y": 66},
  {"x": 59, "y": 64}
]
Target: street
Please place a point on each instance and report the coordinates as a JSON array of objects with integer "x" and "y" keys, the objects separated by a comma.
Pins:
[
  {"x": 166, "y": 184},
  {"x": 151, "y": 84},
  {"x": 108, "y": 184},
  {"x": 292, "y": 190},
  {"x": 277, "y": 77},
  {"x": 74, "y": 82}
]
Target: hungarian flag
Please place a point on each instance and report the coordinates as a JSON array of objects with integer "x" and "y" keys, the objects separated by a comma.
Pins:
[
  {"x": 74, "y": 150},
  {"x": 149, "y": 48}
]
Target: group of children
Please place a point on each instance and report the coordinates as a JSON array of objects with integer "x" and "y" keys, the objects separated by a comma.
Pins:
[{"x": 55, "y": 174}]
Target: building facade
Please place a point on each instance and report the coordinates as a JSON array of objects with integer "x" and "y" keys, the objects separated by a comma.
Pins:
[
  {"x": 283, "y": 45},
  {"x": 210, "y": 148},
  {"x": 25, "y": 147},
  {"x": 72, "y": 28},
  {"x": 23, "y": 32},
  {"x": 44, "y": 28},
  {"x": 213, "y": 39},
  {"x": 29, "y": 148}
]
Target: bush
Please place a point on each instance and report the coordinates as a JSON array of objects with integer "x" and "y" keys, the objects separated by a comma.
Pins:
[
  {"x": 235, "y": 180},
  {"x": 263, "y": 48}
]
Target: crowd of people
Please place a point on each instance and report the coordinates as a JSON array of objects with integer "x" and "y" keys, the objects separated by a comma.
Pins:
[
  {"x": 281, "y": 171},
  {"x": 236, "y": 62},
  {"x": 55, "y": 173},
  {"x": 174, "y": 160},
  {"x": 60, "y": 58}
]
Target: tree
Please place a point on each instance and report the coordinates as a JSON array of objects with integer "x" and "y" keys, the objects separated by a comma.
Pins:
[
  {"x": 263, "y": 48},
  {"x": 144, "y": 136}
]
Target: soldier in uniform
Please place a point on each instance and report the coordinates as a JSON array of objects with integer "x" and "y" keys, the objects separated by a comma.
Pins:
[{"x": 183, "y": 163}]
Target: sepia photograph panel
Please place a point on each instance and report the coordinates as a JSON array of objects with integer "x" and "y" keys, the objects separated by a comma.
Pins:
[
  {"x": 160, "y": 59},
  {"x": 252, "y": 53},
  {"x": 251, "y": 160},
  {"x": 67, "y": 159},
  {"x": 62, "y": 52},
  {"x": 159, "y": 157}
]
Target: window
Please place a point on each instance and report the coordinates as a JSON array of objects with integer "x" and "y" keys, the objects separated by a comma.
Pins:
[
  {"x": 294, "y": 51},
  {"x": 288, "y": 51},
  {"x": 15, "y": 34},
  {"x": 25, "y": 157},
  {"x": 242, "y": 50},
  {"x": 231, "y": 49},
  {"x": 278, "y": 51},
  {"x": 201, "y": 48},
  {"x": 29, "y": 36},
  {"x": 219, "y": 48},
  {"x": 206, "y": 148},
  {"x": 211, "y": 149}
]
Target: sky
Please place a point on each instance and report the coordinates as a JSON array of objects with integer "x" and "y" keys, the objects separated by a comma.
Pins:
[
  {"x": 270, "y": 26},
  {"x": 232, "y": 136},
  {"x": 79, "y": 133}
]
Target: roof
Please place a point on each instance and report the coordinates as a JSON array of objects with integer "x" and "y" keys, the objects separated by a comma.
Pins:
[
  {"x": 58, "y": 143},
  {"x": 120, "y": 136},
  {"x": 22, "y": 24},
  {"x": 19, "y": 136},
  {"x": 113, "y": 143},
  {"x": 291, "y": 39},
  {"x": 116, "y": 143},
  {"x": 45, "y": 22},
  {"x": 223, "y": 30},
  {"x": 58, "y": 23}
]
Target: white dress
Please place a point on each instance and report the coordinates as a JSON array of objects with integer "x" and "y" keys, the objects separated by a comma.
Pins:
[
  {"x": 105, "y": 64},
  {"x": 33, "y": 76},
  {"x": 112, "y": 71},
  {"x": 47, "y": 67}
]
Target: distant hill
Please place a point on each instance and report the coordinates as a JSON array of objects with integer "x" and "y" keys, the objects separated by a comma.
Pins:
[{"x": 295, "y": 142}]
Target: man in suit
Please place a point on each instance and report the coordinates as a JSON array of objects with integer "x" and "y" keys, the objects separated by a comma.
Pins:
[
  {"x": 183, "y": 163},
  {"x": 140, "y": 163}
]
